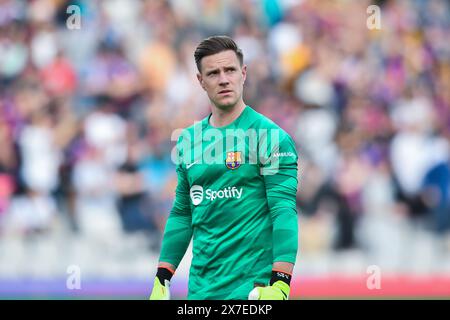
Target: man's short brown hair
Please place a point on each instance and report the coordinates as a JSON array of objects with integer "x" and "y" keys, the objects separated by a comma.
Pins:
[{"x": 216, "y": 44}]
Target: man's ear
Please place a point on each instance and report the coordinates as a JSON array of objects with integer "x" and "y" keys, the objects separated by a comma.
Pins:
[
  {"x": 200, "y": 80},
  {"x": 244, "y": 73}
]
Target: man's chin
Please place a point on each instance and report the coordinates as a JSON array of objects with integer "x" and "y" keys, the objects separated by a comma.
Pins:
[
  {"x": 225, "y": 107},
  {"x": 225, "y": 104}
]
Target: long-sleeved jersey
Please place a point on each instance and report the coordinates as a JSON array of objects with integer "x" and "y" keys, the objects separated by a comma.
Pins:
[{"x": 236, "y": 198}]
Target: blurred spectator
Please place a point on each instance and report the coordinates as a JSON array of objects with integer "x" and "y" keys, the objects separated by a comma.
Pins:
[
  {"x": 133, "y": 202},
  {"x": 96, "y": 213},
  {"x": 13, "y": 50},
  {"x": 105, "y": 132},
  {"x": 8, "y": 165},
  {"x": 59, "y": 77}
]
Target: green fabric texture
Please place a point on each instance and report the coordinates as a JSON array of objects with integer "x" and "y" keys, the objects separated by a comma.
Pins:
[{"x": 236, "y": 198}]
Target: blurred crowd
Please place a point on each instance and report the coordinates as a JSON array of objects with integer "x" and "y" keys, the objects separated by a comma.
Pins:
[{"x": 87, "y": 115}]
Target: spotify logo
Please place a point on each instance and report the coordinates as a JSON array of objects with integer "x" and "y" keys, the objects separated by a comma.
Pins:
[{"x": 196, "y": 194}]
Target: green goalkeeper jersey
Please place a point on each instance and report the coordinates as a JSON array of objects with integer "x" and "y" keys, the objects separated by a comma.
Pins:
[{"x": 236, "y": 198}]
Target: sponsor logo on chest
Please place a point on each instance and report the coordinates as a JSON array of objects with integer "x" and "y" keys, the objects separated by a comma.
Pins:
[{"x": 198, "y": 194}]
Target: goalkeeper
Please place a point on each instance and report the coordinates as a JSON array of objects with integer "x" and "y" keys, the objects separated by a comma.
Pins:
[{"x": 240, "y": 209}]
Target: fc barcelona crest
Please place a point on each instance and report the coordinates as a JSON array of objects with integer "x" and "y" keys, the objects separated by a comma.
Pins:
[{"x": 233, "y": 160}]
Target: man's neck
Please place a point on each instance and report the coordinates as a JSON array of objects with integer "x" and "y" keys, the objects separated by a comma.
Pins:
[{"x": 221, "y": 118}]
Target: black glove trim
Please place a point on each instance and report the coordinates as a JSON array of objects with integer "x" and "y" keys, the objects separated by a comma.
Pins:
[
  {"x": 164, "y": 274},
  {"x": 280, "y": 275}
]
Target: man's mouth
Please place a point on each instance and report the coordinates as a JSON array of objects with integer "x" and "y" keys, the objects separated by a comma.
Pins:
[{"x": 225, "y": 91}]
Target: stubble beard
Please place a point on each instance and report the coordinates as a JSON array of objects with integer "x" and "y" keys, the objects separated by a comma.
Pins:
[{"x": 228, "y": 106}]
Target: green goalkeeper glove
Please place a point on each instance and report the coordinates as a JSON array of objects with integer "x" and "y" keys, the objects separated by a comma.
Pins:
[
  {"x": 277, "y": 290},
  {"x": 161, "y": 285}
]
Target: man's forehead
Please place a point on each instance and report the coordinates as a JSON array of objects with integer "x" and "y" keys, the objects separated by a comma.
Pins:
[{"x": 221, "y": 59}]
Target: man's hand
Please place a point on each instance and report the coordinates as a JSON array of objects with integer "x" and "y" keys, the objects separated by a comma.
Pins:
[
  {"x": 162, "y": 282},
  {"x": 277, "y": 291},
  {"x": 279, "y": 285},
  {"x": 160, "y": 292}
]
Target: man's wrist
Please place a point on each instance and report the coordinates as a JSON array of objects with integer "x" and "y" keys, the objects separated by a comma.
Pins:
[
  {"x": 278, "y": 275},
  {"x": 164, "y": 273}
]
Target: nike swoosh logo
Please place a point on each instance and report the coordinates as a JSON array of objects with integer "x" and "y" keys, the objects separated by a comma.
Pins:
[{"x": 191, "y": 164}]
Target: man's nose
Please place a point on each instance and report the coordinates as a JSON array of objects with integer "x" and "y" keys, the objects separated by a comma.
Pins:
[{"x": 223, "y": 79}]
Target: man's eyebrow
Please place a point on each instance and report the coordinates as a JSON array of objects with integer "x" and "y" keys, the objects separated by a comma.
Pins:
[
  {"x": 230, "y": 67},
  {"x": 211, "y": 71}
]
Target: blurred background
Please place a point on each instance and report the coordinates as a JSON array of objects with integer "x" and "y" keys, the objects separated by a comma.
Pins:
[{"x": 86, "y": 122}]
